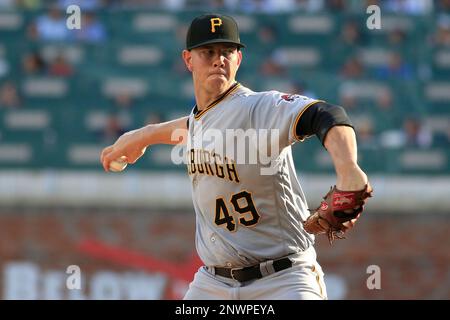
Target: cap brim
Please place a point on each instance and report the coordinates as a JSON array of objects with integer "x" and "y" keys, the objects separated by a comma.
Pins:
[{"x": 240, "y": 45}]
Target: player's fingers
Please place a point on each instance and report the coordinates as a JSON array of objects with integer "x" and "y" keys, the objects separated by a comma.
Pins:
[
  {"x": 112, "y": 155},
  {"x": 106, "y": 151},
  {"x": 351, "y": 223}
]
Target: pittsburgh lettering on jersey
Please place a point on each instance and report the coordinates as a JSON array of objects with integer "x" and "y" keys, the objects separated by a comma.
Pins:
[{"x": 210, "y": 163}]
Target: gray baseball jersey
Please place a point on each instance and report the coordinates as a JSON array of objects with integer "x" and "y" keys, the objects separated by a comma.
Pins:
[{"x": 248, "y": 211}]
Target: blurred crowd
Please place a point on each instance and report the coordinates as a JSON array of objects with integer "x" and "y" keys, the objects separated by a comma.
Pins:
[
  {"x": 391, "y": 132},
  {"x": 414, "y": 7}
]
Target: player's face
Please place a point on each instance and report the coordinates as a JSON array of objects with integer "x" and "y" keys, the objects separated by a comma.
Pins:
[{"x": 213, "y": 66}]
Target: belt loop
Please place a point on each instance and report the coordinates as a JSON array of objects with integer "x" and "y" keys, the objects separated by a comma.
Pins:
[
  {"x": 212, "y": 270},
  {"x": 266, "y": 268},
  {"x": 263, "y": 269},
  {"x": 269, "y": 267}
]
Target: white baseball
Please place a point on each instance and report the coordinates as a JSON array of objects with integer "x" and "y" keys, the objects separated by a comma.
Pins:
[{"x": 118, "y": 165}]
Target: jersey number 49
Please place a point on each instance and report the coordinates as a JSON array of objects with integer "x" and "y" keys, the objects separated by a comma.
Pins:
[{"x": 242, "y": 203}]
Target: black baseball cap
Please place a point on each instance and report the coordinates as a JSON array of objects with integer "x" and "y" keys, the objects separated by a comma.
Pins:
[{"x": 212, "y": 28}]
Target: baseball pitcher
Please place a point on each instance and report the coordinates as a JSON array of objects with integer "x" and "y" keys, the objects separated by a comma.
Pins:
[{"x": 254, "y": 230}]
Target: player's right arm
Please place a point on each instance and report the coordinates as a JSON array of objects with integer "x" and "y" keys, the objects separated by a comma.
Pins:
[{"x": 133, "y": 144}]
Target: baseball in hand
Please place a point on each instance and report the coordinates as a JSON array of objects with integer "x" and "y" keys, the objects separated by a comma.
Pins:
[{"x": 118, "y": 165}]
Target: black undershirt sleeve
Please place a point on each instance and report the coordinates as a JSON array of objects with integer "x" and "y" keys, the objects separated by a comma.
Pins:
[{"x": 319, "y": 118}]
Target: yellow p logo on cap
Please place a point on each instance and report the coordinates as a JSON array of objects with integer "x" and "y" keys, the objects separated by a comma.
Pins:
[{"x": 215, "y": 22}]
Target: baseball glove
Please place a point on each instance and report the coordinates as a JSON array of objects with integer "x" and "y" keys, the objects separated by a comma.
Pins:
[{"x": 337, "y": 208}]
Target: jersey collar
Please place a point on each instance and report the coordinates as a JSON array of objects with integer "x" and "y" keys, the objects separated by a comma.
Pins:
[{"x": 198, "y": 114}]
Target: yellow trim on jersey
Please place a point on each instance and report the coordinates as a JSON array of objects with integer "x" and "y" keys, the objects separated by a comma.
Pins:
[
  {"x": 319, "y": 282},
  {"x": 294, "y": 134},
  {"x": 226, "y": 94}
]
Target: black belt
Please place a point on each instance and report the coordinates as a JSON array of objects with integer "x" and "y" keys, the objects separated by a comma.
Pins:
[{"x": 253, "y": 272}]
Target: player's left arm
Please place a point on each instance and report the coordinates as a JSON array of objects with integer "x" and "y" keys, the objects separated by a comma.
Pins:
[
  {"x": 331, "y": 124},
  {"x": 343, "y": 204},
  {"x": 341, "y": 145}
]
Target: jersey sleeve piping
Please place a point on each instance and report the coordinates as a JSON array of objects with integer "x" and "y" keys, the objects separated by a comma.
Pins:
[{"x": 297, "y": 119}]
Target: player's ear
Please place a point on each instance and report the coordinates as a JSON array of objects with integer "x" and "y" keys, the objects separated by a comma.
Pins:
[
  {"x": 187, "y": 58},
  {"x": 239, "y": 57}
]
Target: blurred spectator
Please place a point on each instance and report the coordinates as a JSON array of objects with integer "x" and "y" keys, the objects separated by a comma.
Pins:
[
  {"x": 113, "y": 129},
  {"x": 51, "y": 26},
  {"x": 300, "y": 87},
  {"x": 351, "y": 34},
  {"x": 85, "y": 5},
  {"x": 352, "y": 68},
  {"x": 30, "y": 4},
  {"x": 138, "y": 3},
  {"x": 153, "y": 118},
  {"x": 123, "y": 103},
  {"x": 250, "y": 5},
  {"x": 267, "y": 36},
  {"x": 396, "y": 37},
  {"x": 413, "y": 7},
  {"x": 365, "y": 134},
  {"x": 290, "y": 5},
  {"x": 175, "y": 5},
  {"x": 33, "y": 64},
  {"x": 309, "y": 5},
  {"x": 348, "y": 101},
  {"x": 442, "y": 6},
  {"x": 345, "y": 45},
  {"x": 384, "y": 101},
  {"x": 266, "y": 6},
  {"x": 92, "y": 30},
  {"x": 215, "y": 5},
  {"x": 387, "y": 117},
  {"x": 9, "y": 97},
  {"x": 336, "y": 5},
  {"x": 60, "y": 67},
  {"x": 396, "y": 68},
  {"x": 441, "y": 36},
  {"x": 412, "y": 135},
  {"x": 415, "y": 134},
  {"x": 271, "y": 67},
  {"x": 371, "y": 2}
]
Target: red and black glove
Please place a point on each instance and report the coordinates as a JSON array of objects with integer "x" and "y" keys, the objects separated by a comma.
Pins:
[{"x": 338, "y": 212}]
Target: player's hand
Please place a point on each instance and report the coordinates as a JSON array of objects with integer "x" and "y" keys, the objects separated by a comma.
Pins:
[
  {"x": 129, "y": 145},
  {"x": 338, "y": 212}
]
